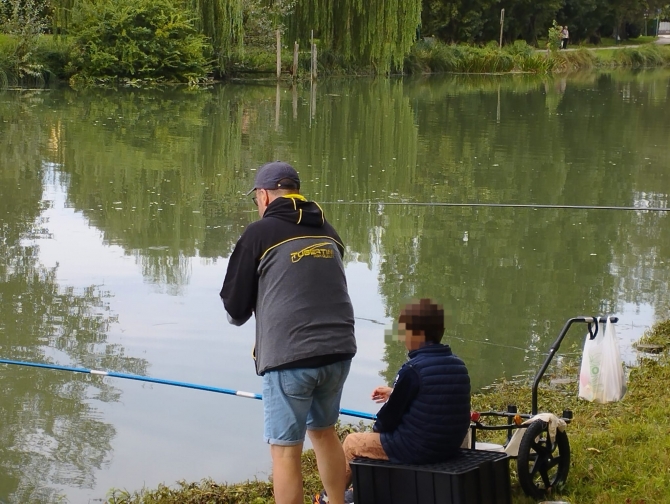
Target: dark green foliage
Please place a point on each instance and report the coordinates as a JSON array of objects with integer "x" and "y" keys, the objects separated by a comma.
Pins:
[
  {"x": 528, "y": 20},
  {"x": 54, "y": 54},
  {"x": 137, "y": 39},
  {"x": 478, "y": 21}
]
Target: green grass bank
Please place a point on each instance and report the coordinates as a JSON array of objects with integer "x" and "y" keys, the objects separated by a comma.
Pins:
[
  {"x": 520, "y": 57},
  {"x": 620, "y": 452}
]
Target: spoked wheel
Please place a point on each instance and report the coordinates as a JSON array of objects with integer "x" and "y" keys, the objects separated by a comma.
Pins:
[{"x": 542, "y": 465}]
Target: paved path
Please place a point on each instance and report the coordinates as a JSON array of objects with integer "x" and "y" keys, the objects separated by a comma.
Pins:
[{"x": 661, "y": 40}]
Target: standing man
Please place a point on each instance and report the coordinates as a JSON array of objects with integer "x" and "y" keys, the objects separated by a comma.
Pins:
[{"x": 287, "y": 270}]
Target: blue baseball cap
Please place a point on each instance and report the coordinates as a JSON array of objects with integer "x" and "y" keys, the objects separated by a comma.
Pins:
[{"x": 276, "y": 175}]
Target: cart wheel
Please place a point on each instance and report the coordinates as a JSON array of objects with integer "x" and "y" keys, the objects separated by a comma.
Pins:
[{"x": 542, "y": 466}]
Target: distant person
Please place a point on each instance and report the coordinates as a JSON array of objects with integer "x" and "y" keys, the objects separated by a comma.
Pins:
[
  {"x": 565, "y": 35},
  {"x": 287, "y": 270},
  {"x": 426, "y": 414}
]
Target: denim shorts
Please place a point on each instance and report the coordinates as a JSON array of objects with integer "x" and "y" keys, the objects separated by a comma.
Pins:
[{"x": 295, "y": 400}]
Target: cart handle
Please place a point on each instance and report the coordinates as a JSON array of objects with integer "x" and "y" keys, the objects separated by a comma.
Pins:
[{"x": 554, "y": 348}]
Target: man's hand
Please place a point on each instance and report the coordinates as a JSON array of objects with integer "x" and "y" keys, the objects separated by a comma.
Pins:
[
  {"x": 236, "y": 322},
  {"x": 381, "y": 394}
]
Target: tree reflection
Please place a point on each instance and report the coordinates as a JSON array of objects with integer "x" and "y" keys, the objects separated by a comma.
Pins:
[{"x": 50, "y": 432}]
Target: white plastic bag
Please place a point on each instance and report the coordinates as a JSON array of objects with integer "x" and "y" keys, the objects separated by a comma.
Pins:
[{"x": 602, "y": 378}]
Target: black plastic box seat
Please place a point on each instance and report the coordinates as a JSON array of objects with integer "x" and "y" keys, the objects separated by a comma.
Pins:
[{"x": 471, "y": 477}]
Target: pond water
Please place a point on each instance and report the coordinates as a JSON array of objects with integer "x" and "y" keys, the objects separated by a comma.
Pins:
[{"x": 119, "y": 209}]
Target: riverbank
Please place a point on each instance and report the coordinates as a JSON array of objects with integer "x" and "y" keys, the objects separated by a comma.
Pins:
[
  {"x": 53, "y": 61},
  {"x": 620, "y": 452},
  {"x": 521, "y": 57}
]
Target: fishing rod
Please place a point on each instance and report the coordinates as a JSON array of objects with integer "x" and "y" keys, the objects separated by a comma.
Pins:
[
  {"x": 113, "y": 374},
  {"x": 496, "y": 205}
]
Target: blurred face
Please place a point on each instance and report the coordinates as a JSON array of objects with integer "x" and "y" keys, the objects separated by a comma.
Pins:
[{"x": 413, "y": 339}]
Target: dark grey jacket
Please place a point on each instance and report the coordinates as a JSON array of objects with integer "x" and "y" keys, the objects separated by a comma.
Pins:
[{"x": 287, "y": 269}]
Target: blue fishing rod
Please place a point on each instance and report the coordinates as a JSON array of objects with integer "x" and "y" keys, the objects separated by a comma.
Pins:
[{"x": 113, "y": 374}]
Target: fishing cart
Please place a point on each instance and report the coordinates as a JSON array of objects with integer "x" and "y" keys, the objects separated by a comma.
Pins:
[{"x": 542, "y": 463}]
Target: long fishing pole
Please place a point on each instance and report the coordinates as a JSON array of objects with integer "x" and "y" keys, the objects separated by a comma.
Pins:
[
  {"x": 113, "y": 374},
  {"x": 495, "y": 205}
]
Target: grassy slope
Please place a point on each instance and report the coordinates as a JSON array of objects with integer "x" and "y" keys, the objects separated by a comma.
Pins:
[{"x": 620, "y": 451}]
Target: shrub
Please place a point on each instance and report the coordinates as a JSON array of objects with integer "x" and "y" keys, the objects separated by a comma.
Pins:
[
  {"x": 520, "y": 48},
  {"x": 554, "y": 36},
  {"x": 54, "y": 54},
  {"x": 23, "y": 21},
  {"x": 137, "y": 39}
]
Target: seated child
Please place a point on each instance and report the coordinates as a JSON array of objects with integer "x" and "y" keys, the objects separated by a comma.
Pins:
[{"x": 426, "y": 414}]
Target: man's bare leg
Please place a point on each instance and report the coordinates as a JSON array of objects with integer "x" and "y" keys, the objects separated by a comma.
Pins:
[
  {"x": 330, "y": 461},
  {"x": 287, "y": 474}
]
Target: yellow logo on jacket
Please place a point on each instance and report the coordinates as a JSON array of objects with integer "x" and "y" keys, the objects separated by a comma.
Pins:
[{"x": 319, "y": 250}]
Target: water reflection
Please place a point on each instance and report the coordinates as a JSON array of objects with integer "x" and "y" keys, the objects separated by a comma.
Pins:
[
  {"x": 161, "y": 174},
  {"x": 51, "y": 435}
]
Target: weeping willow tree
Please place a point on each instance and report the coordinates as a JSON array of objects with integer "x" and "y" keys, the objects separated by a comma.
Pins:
[
  {"x": 368, "y": 32},
  {"x": 61, "y": 14},
  {"x": 221, "y": 22}
]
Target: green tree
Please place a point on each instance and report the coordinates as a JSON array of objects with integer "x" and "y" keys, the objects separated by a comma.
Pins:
[
  {"x": 626, "y": 12},
  {"x": 457, "y": 20},
  {"x": 529, "y": 19}
]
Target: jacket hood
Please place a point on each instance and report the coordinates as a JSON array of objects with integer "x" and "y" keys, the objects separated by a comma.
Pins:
[{"x": 296, "y": 209}]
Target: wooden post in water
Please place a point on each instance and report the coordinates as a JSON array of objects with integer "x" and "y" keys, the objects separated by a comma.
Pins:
[
  {"x": 498, "y": 110},
  {"x": 277, "y": 107},
  {"x": 502, "y": 23},
  {"x": 278, "y": 53},
  {"x": 294, "y": 95},
  {"x": 313, "y": 65},
  {"x": 295, "y": 60},
  {"x": 313, "y": 98}
]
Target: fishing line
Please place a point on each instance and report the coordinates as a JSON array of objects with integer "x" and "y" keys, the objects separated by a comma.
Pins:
[
  {"x": 462, "y": 339},
  {"x": 370, "y": 320},
  {"x": 492, "y": 344},
  {"x": 113, "y": 374},
  {"x": 496, "y": 205}
]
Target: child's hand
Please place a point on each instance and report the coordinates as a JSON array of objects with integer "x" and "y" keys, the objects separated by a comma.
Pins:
[{"x": 381, "y": 394}]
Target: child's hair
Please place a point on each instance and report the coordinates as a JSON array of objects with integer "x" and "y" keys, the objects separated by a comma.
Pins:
[{"x": 424, "y": 315}]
